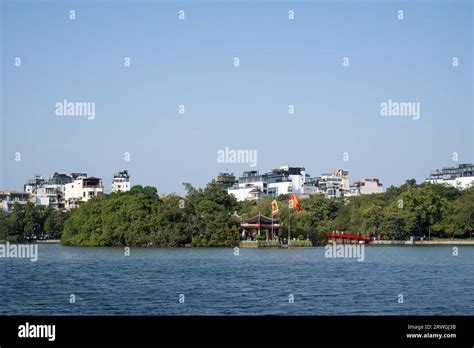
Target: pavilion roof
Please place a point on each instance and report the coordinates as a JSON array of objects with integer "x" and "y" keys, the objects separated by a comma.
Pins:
[{"x": 262, "y": 219}]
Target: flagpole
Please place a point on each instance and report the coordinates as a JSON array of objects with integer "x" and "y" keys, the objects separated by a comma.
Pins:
[
  {"x": 272, "y": 227},
  {"x": 289, "y": 226}
]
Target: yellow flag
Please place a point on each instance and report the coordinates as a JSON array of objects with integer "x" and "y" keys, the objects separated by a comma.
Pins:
[{"x": 274, "y": 207}]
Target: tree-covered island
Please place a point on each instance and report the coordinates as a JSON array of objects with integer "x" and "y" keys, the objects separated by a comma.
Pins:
[{"x": 206, "y": 217}]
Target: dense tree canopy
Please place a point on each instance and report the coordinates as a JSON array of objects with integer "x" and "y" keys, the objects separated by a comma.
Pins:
[
  {"x": 205, "y": 217},
  {"x": 399, "y": 213},
  {"x": 28, "y": 221},
  {"x": 142, "y": 218}
]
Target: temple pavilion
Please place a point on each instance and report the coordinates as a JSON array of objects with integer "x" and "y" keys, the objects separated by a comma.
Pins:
[{"x": 259, "y": 224}]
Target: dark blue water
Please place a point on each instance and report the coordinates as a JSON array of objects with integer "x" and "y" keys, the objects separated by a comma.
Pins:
[{"x": 215, "y": 282}]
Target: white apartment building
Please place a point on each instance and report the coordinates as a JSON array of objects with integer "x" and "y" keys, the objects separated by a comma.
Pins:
[
  {"x": 460, "y": 177},
  {"x": 335, "y": 184},
  {"x": 47, "y": 195},
  {"x": 33, "y": 184},
  {"x": 81, "y": 189},
  {"x": 283, "y": 180},
  {"x": 121, "y": 182},
  {"x": 8, "y": 199},
  {"x": 49, "y": 192},
  {"x": 365, "y": 187}
]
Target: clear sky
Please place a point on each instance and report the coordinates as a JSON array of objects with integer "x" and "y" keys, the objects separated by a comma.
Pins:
[{"x": 190, "y": 62}]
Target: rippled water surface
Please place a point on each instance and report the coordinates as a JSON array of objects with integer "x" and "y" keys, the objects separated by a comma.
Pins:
[{"x": 215, "y": 282}]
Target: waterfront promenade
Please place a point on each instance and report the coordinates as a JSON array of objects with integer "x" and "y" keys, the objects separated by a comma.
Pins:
[{"x": 424, "y": 242}]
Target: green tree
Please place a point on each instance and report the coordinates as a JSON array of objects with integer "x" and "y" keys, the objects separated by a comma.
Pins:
[
  {"x": 422, "y": 208},
  {"x": 460, "y": 215}
]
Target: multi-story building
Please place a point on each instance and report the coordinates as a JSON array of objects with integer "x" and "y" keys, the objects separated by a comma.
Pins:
[
  {"x": 311, "y": 186},
  {"x": 33, "y": 184},
  {"x": 121, "y": 182},
  {"x": 461, "y": 176},
  {"x": 251, "y": 185},
  {"x": 81, "y": 189},
  {"x": 9, "y": 198},
  {"x": 284, "y": 180},
  {"x": 59, "y": 179},
  {"x": 47, "y": 195},
  {"x": 365, "y": 187},
  {"x": 226, "y": 180},
  {"x": 335, "y": 184}
]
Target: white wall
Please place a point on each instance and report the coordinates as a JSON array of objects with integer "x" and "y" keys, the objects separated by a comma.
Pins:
[
  {"x": 370, "y": 187},
  {"x": 75, "y": 190},
  {"x": 241, "y": 193},
  {"x": 461, "y": 183},
  {"x": 120, "y": 185}
]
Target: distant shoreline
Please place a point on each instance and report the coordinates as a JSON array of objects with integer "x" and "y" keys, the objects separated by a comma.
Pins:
[
  {"x": 425, "y": 242},
  {"x": 375, "y": 243}
]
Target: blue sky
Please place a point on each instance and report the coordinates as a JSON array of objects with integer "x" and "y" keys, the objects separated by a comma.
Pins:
[{"x": 190, "y": 62}]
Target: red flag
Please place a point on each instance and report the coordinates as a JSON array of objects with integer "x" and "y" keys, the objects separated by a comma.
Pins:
[{"x": 295, "y": 202}]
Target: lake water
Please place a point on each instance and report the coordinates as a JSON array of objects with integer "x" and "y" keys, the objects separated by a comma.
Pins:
[{"x": 257, "y": 282}]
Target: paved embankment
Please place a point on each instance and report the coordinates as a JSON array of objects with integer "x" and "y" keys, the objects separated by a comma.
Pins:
[{"x": 425, "y": 242}]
